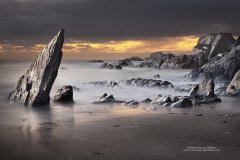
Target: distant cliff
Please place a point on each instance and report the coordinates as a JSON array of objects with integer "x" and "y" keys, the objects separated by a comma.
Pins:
[{"x": 208, "y": 46}]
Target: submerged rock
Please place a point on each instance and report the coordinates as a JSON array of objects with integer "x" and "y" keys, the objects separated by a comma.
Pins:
[
  {"x": 147, "y": 100},
  {"x": 131, "y": 103},
  {"x": 112, "y": 84},
  {"x": 157, "y": 76},
  {"x": 64, "y": 94},
  {"x": 233, "y": 88},
  {"x": 110, "y": 66},
  {"x": 105, "y": 98},
  {"x": 34, "y": 86},
  {"x": 140, "y": 82}
]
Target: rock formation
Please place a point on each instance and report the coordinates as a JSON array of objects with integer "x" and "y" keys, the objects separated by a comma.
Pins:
[
  {"x": 64, "y": 95},
  {"x": 110, "y": 66},
  {"x": 134, "y": 58},
  {"x": 183, "y": 103},
  {"x": 131, "y": 103},
  {"x": 208, "y": 46},
  {"x": 233, "y": 88},
  {"x": 105, "y": 98},
  {"x": 141, "y": 82},
  {"x": 170, "y": 61},
  {"x": 204, "y": 91},
  {"x": 34, "y": 86},
  {"x": 223, "y": 68},
  {"x": 112, "y": 84}
]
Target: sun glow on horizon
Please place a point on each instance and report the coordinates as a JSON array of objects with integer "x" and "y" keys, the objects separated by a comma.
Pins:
[{"x": 108, "y": 49}]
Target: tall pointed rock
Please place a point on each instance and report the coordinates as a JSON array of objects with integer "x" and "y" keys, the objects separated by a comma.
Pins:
[{"x": 34, "y": 86}]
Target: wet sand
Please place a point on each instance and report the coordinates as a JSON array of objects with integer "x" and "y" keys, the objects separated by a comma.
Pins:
[{"x": 110, "y": 132}]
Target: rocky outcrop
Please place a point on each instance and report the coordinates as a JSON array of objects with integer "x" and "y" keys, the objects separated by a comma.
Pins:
[
  {"x": 64, "y": 95},
  {"x": 105, "y": 98},
  {"x": 134, "y": 58},
  {"x": 34, "y": 86},
  {"x": 203, "y": 93},
  {"x": 124, "y": 63},
  {"x": 110, "y": 66},
  {"x": 233, "y": 88},
  {"x": 112, "y": 84},
  {"x": 208, "y": 46},
  {"x": 170, "y": 61},
  {"x": 152, "y": 83},
  {"x": 223, "y": 68}
]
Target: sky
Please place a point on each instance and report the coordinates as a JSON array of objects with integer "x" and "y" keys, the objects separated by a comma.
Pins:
[{"x": 112, "y": 29}]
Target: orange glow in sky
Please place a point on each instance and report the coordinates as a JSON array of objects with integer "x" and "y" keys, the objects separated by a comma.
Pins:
[{"x": 105, "y": 50}]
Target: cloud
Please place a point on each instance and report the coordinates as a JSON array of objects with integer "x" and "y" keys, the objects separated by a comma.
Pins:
[{"x": 104, "y": 20}]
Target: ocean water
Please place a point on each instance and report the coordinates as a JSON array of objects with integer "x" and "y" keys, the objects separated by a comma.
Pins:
[{"x": 79, "y": 73}]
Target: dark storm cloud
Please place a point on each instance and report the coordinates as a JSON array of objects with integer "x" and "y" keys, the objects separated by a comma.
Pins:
[{"x": 98, "y": 20}]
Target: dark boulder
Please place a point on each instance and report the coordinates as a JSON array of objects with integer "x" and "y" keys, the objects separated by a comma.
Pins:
[
  {"x": 183, "y": 103},
  {"x": 131, "y": 103},
  {"x": 147, "y": 100},
  {"x": 64, "y": 95},
  {"x": 105, "y": 98},
  {"x": 204, "y": 91},
  {"x": 110, "y": 66},
  {"x": 157, "y": 76},
  {"x": 233, "y": 88},
  {"x": 34, "y": 86}
]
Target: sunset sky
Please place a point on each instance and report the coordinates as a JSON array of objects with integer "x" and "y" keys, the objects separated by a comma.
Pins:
[{"x": 112, "y": 29}]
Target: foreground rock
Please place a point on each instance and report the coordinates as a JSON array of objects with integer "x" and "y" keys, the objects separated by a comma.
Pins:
[
  {"x": 233, "y": 88},
  {"x": 141, "y": 82},
  {"x": 34, "y": 86},
  {"x": 64, "y": 95},
  {"x": 223, "y": 68},
  {"x": 105, "y": 98},
  {"x": 183, "y": 103},
  {"x": 203, "y": 93},
  {"x": 112, "y": 84}
]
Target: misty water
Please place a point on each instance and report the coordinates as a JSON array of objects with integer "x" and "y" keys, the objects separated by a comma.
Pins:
[
  {"x": 79, "y": 73},
  {"x": 34, "y": 122}
]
